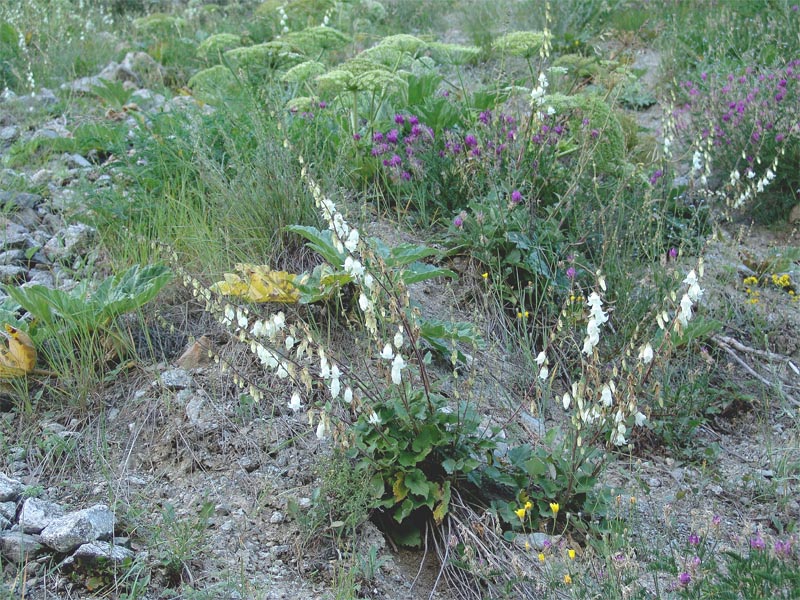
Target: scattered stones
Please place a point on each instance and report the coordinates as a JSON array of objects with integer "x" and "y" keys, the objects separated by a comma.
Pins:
[
  {"x": 91, "y": 552},
  {"x": 71, "y": 242},
  {"x": 277, "y": 517},
  {"x": 9, "y": 133},
  {"x": 18, "y": 547},
  {"x": 197, "y": 355},
  {"x": 10, "y": 489}
]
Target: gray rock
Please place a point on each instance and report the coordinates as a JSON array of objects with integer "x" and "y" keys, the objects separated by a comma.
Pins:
[
  {"x": 37, "y": 514},
  {"x": 79, "y": 527},
  {"x": 94, "y": 551},
  {"x": 12, "y": 257},
  {"x": 74, "y": 240},
  {"x": 8, "y": 510},
  {"x": 76, "y": 161},
  {"x": 40, "y": 277},
  {"x": 5, "y": 523},
  {"x": 9, "y": 133},
  {"x": 16, "y": 236},
  {"x": 534, "y": 424},
  {"x": 11, "y": 274},
  {"x": 29, "y": 218},
  {"x": 7, "y": 95},
  {"x": 10, "y": 489},
  {"x": 176, "y": 379},
  {"x": 148, "y": 100},
  {"x": 19, "y": 547},
  {"x": 277, "y": 517}
]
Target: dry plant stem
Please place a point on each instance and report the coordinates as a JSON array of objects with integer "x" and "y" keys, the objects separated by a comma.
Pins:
[
  {"x": 750, "y": 370},
  {"x": 771, "y": 356}
]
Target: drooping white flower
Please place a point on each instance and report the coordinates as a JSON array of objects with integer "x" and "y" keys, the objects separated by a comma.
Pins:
[
  {"x": 363, "y": 302},
  {"x": 352, "y": 240},
  {"x": 387, "y": 353},
  {"x": 639, "y": 419},
  {"x": 541, "y": 358},
  {"x": 685, "y": 313},
  {"x": 348, "y": 395},
  {"x": 398, "y": 364},
  {"x": 565, "y": 400},
  {"x": 353, "y": 267},
  {"x": 543, "y": 373},
  {"x": 606, "y": 397},
  {"x": 322, "y": 429},
  {"x": 369, "y": 281},
  {"x": 374, "y": 418},
  {"x": 398, "y": 339},
  {"x": 646, "y": 353},
  {"x": 295, "y": 403},
  {"x": 335, "y": 384}
]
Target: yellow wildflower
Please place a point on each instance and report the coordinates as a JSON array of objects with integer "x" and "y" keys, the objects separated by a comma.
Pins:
[
  {"x": 527, "y": 545},
  {"x": 520, "y": 512},
  {"x": 485, "y": 275},
  {"x": 567, "y": 579},
  {"x": 571, "y": 553},
  {"x": 541, "y": 556},
  {"x": 554, "y": 507},
  {"x": 528, "y": 505}
]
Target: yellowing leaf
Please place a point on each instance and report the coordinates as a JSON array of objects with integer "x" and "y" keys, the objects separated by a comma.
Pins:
[
  {"x": 399, "y": 488},
  {"x": 258, "y": 283},
  {"x": 19, "y": 358}
]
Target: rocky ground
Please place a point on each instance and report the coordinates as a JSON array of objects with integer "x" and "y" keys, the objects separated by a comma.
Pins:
[{"x": 172, "y": 469}]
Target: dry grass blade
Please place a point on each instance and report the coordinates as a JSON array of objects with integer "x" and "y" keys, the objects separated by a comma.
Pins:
[{"x": 478, "y": 563}]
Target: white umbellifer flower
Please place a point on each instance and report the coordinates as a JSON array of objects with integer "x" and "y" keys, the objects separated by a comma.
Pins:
[
  {"x": 374, "y": 418},
  {"x": 398, "y": 339},
  {"x": 295, "y": 403},
  {"x": 646, "y": 353},
  {"x": 348, "y": 395},
  {"x": 398, "y": 364},
  {"x": 639, "y": 419},
  {"x": 566, "y": 400},
  {"x": 605, "y": 396},
  {"x": 387, "y": 353},
  {"x": 335, "y": 385}
]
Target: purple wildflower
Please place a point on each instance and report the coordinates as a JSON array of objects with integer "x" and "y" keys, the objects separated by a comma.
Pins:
[
  {"x": 356, "y": 136},
  {"x": 684, "y": 578},
  {"x": 595, "y": 133},
  {"x": 783, "y": 548},
  {"x": 516, "y": 196},
  {"x": 484, "y": 117},
  {"x": 673, "y": 253},
  {"x": 395, "y": 161},
  {"x": 658, "y": 174},
  {"x": 399, "y": 119},
  {"x": 571, "y": 272},
  {"x": 405, "y": 176},
  {"x": 694, "y": 539},
  {"x": 377, "y": 136},
  {"x": 393, "y": 136},
  {"x": 458, "y": 222},
  {"x": 470, "y": 141},
  {"x": 716, "y": 520},
  {"x": 413, "y": 120},
  {"x": 323, "y": 104},
  {"x": 757, "y": 543}
]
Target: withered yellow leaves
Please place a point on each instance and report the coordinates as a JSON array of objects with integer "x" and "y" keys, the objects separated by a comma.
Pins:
[
  {"x": 259, "y": 283},
  {"x": 19, "y": 357}
]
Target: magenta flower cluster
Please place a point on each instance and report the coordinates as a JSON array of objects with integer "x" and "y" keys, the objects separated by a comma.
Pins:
[
  {"x": 401, "y": 148},
  {"x": 750, "y": 112}
]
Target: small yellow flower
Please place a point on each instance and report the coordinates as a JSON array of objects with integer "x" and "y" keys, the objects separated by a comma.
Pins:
[
  {"x": 485, "y": 275},
  {"x": 520, "y": 512},
  {"x": 554, "y": 507},
  {"x": 527, "y": 545},
  {"x": 519, "y": 315},
  {"x": 528, "y": 505},
  {"x": 567, "y": 579},
  {"x": 541, "y": 556},
  {"x": 571, "y": 553},
  {"x": 633, "y": 499},
  {"x": 526, "y": 314}
]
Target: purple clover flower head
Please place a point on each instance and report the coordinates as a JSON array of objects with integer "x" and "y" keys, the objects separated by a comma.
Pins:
[
  {"x": 696, "y": 562},
  {"x": 694, "y": 539},
  {"x": 458, "y": 222},
  {"x": 595, "y": 134},
  {"x": 783, "y": 548},
  {"x": 475, "y": 152},
  {"x": 673, "y": 253},
  {"x": 516, "y": 197},
  {"x": 456, "y": 148},
  {"x": 413, "y": 120},
  {"x": 485, "y": 117},
  {"x": 395, "y": 161},
  {"x": 658, "y": 174},
  {"x": 356, "y": 136},
  {"x": 393, "y": 136},
  {"x": 405, "y": 176},
  {"x": 571, "y": 272},
  {"x": 716, "y": 520},
  {"x": 416, "y": 130},
  {"x": 399, "y": 119},
  {"x": 779, "y": 137},
  {"x": 703, "y": 75},
  {"x": 585, "y": 122},
  {"x": 470, "y": 141},
  {"x": 323, "y": 104},
  {"x": 757, "y": 542},
  {"x": 684, "y": 579},
  {"x": 377, "y": 137}
]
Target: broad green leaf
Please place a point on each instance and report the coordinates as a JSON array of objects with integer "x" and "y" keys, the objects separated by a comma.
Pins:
[
  {"x": 321, "y": 242},
  {"x": 418, "y": 271},
  {"x": 535, "y": 467},
  {"x": 428, "y": 437},
  {"x": 417, "y": 483}
]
